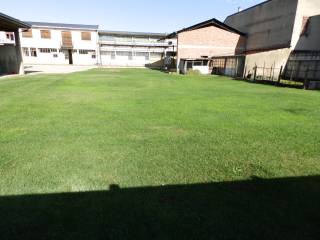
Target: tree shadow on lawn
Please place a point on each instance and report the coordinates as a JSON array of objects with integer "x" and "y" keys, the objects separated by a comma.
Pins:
[{"x": 255, "y": 209}]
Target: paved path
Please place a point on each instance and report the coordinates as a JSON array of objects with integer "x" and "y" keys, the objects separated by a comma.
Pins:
[{"x": 43, "y": 69}]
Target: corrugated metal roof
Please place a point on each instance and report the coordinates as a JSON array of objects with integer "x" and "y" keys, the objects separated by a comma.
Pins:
[
  {"x": 63, "y": 25},
  {"x": 16, "y": 22},
  {"x": 125, "y": 33}
]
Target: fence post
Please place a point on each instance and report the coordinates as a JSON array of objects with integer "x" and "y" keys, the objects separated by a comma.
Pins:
[
  {"x": 280, "y": 74},
  {"x": 306, "y": 80},
  {"x": 245, "y": 73},
  {"x": 255, "y": 74}
]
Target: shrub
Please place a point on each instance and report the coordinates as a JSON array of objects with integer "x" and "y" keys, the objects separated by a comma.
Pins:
[{"x": 193, "y": 72}]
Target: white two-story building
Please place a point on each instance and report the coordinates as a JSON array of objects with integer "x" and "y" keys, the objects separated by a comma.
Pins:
[
  {"x": 56, "y": 43},
  {"x": 135, "y": 49}
]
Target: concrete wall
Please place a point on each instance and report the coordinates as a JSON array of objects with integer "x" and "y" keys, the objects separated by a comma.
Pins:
[
  {"x": 307, "y": 8},
  {"x": 8, "y": 59},
  {"x": 55, "y": 42},
  {"x": 269, "y": 25},
  {"x": 209, "y": 41},
  {"x": 310, "y": 42},
  {"x": 267, "y": 59}
]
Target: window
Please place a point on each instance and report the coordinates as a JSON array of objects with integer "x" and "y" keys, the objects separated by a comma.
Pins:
[
  {"x": 46, "y": 34},
  {"x": 25, "y": 52},
  {"x": 143, "y": 54},
  {"x": 123, "y": 53},
  {"x": 47, "y": 50},
  {"x": 197, "y": 63},
  {"x": 27, "y": 33},
  {"x": 55, "y": 55},
  {"x": 33, "y": 52},
  {"x": 82, "y": 51},
  {"x": 75, "y": 51},
  {"x": 86, "y": 51},
  {"x": 93, "y": 56},
  {"x": 86, "y": 36},
  {"x": 106, "y": 53},
  {"x": 10, "y": 36},
  {"x": 113, "y": 55},
  {"x": 130, "y": 57},
  {"x": 66, "y": 39}
]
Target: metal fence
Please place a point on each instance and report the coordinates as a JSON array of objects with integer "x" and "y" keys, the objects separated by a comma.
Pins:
[
  {"x": 263, "y": 73},
  {"x": 297, "y": 73}
]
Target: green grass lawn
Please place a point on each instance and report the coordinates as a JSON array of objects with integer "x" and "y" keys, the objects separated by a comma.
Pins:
[{"x": 185, "y": 156}]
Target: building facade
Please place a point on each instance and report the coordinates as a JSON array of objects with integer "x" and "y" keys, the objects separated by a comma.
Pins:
[
  {"x": 198, "y": 44},
  {"x": 134, "y": 49},
  {"x": 282, "y": 34},
  {"x": 55, "y": 43},
  {"x": 276, "y": 38}
]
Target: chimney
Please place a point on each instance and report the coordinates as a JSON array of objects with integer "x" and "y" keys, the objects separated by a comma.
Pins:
[{"x": 239, "y": 9}]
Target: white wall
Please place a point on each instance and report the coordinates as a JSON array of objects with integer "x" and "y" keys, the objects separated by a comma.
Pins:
[
  {"x": 124, "y": 61},
  {"x": 55, "y": 42},
  {"x": 4, "y": 40}
]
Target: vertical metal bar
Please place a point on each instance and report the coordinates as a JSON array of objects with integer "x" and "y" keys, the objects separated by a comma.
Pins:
[
  {"x": 255, "y": 73},
  {"x": 306, "y": 79},
  {"x": 280, "y": 74}
]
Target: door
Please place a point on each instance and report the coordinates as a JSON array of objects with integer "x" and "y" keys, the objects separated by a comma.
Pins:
[{"x": 70, "y": 57}]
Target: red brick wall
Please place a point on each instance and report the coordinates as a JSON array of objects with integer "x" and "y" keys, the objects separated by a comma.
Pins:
[{"x": 209, "y": 41}]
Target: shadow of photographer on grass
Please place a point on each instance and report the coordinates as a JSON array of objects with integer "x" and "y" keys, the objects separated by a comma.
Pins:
[{"x": 287, "y": 208}]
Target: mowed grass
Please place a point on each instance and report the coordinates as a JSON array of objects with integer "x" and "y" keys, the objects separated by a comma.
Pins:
[{"x": 84, "y": 132}]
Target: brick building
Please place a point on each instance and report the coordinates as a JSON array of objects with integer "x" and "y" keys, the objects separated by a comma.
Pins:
[
  {"x": 271, "y": 39},
  {"x": 198, "y": 43}
]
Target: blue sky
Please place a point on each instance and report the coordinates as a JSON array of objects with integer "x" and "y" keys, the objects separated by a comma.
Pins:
[{"x": 130, "y": 15}]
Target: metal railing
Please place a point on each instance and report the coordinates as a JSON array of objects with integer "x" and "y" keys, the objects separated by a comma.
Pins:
[{"x": 283, "y": 75}]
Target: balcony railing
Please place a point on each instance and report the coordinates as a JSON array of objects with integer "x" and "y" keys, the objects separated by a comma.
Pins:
[{"x": 134, "y": 43}]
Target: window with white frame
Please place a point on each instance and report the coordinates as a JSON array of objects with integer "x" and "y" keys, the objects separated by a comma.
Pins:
[
  {"x": 48, "y": 50},
  {"x": 25, "y": 52},
  {"x": 86, "y": 51},
  {"x": 123, "y": 53},
  {"x": 106, "y": 53},
  {"x": 10, "y": 36},
  {"x": 113, "y": 55},
  {"x": 33, "y": 52},
  {"x": 143, "y": 54}
]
